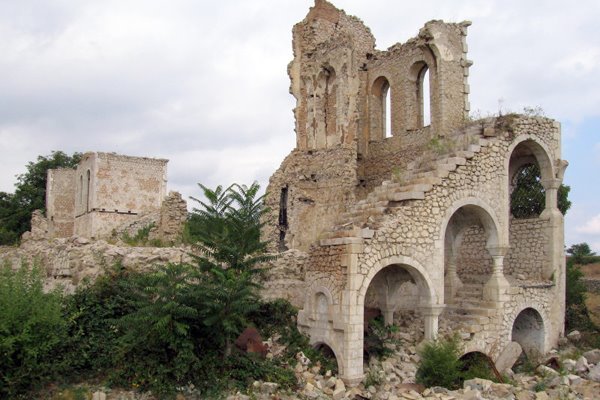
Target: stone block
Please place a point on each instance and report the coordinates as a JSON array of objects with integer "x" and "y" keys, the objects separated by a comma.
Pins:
[{"x": 508, "y": 356}]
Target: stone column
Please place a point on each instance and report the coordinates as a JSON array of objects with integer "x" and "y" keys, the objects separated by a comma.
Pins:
[
  {"x": 554, "y": 266},
  {"x": 431, "y": 315},
  {"x": 497, "y": 286},
  {"x": 452, "y": 282}
]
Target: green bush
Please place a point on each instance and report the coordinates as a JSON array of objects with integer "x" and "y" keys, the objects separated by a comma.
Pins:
[
  {"x": 92, "y": 313},
  {"x": 440, "y": 364},
  {"x": 31, "y": 330},
  {"x": 576, "y": 313}
]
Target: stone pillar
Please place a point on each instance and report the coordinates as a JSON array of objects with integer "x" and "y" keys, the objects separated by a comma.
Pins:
[
  {"x": 431, "y": 315},
  {"x": 452, "y": 283},
  {"x": 554, "y": 267},
  {"x": 388, "y": 315},
  {"x": 497, "y": 286},
  {"x": 353, "y": 316}
]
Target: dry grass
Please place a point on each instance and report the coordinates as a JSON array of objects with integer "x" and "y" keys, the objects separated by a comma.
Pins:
[
  {"x": 591, "y": 271},
  {"x": 592, "y": 302}
]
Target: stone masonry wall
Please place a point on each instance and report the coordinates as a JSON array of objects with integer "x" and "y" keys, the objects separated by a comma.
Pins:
[
  {"x": 527, "y": 249},
  {"x": 60, "y": 201},
  {"x": 474, "y": 263},
  {"x": 320, "y": 185},
  {"x": 119, "y": 188}
]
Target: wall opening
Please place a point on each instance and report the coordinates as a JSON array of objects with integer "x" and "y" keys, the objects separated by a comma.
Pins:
[
  {"x": 476, "y": 364},
  {"x": 329, "y": 359},
  {"x": 381, "y": 109},
  {"x": 87, "y": 192},
  {"x": 392, "y": 298},
  {"x": 528, "y": 197},
  {"x": 80, "y": 203},
  {"x": 528, "y": 330},
  {"x": 387, "y": 112},
  {"x": 426, "y": 98},
  {"x": 283, "y": 218}
]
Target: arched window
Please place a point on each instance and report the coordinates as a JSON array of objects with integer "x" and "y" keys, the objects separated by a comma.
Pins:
[
  {"x": 424, "y": 97},
  {"x": 381, "y": 109},
  {"x": 80, "y": 205},
  {"x": 87, "y": 192}
]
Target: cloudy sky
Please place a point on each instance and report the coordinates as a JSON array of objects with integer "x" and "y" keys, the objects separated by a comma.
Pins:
[{"x": 204, "y": 84}]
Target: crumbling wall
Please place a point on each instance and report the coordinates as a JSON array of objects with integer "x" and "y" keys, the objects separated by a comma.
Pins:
[
  {"x": 113, "y": 189},
  {"x": 60, "y": 201},
  {"x": 316, "y": 186},
  {"x": 473, "y": 261},
  {"x": 173, "y": 215}
]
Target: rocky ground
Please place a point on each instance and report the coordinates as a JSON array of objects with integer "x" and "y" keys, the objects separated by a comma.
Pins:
[{"x": 567, "y": 373}]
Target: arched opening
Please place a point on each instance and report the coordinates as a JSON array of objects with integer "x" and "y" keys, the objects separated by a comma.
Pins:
[
  {"x": 419, "y": 101},
  {"x": 528, "y": 330},
  {"x": 529, "y": 165},
  {"x": 80, "y": 202},
  {"x": 328, "y": 91},
  {"x": 424, "y": 97},
  {"x": 87, "y": 192},
  {"x": 328, "y": 358},
  {"x": 476, "y": 364},
  {"x": 381, "y": 109},
  {"x": 468, "y": 264},
  {"x": 394, "y": 297}
]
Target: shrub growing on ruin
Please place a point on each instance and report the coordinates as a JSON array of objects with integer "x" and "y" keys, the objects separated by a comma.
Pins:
[
  {"x": 440, "y": 364},
  {"x": 31, "y": 330}
]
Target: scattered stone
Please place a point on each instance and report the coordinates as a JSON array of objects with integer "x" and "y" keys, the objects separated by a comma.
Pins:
[
  {"x": 99, "y": 395},
  {"x": 592, "y": 356},
  {"x": 594, "y": 374},
  {"x": 581, "y": 365},
  {"x": 574, "y": 336},
  {"x": 509, "y": 356}
]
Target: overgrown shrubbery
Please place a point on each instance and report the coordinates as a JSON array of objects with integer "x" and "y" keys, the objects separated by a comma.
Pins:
[
  {"x": 160, "y": 330},
  {"x": 32, "y": 329}
]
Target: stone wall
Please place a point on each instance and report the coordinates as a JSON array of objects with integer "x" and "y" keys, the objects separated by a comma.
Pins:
[
  {"x": 60, "y": 201},
  {"x": 316, "y": 186},
  {"x": 474, "y": 263},
  {"x": 527, "y": 252}
]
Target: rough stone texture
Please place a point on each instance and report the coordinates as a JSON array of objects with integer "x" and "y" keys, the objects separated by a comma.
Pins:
[
  {"x": 420, "y": 220},
  {"x": 104, "y": 191},
  {"x": 509, "y": 356},
  {"x": 109, "y": 194},
  {"x": 69, "y": 262}
]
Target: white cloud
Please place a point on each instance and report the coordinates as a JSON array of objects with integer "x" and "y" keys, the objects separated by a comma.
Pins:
[{"x": 592, "y": 226}]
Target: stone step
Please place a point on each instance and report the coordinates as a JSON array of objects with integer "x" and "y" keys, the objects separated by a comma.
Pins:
[{"x": 484, "y": 312}]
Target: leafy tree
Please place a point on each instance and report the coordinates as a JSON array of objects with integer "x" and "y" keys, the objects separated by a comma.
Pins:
[
  {"x": 226, "y": 229},
  {"x": 30, "y": 195},
  {"x": 581, "y": 253},
  {"x": 528, "y": 198}
]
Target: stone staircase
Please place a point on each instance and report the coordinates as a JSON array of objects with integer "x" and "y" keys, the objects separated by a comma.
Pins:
[
  {"x": 468, "y": 311},
  {"x": 419, "y": 177}
]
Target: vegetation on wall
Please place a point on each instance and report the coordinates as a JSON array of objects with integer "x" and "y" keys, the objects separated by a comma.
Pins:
[{"x": 30, "y": 195}]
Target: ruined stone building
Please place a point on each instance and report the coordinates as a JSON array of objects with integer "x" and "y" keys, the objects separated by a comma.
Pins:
[
  {"x": 107, "y": 193},
  {"x": 394, "y": 200}
]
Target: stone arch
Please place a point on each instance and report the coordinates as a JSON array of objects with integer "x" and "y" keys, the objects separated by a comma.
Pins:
[
  {"x": 425, "y": 63},
  {"x": 414, "y": 268},
  {"x": 314, "y": 301},
  {"x": 339, "y": 360},
  {"x": 470, "y": 237},
  {"x": 529, "y": 328},
  {"x": 381, "y": 95},
  {"x": 532, "y": 150}
]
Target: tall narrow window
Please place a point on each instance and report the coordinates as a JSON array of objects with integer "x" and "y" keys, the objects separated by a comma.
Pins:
[
  {"x": 423, "y": 97},
  {"x": 87, "y": 192},
  {"x": 283, "y": 220},
  {"x": 80, "y": 205},
  {"x": 387, "y": 110},
  {"x": 381, "y": 109},
  {"x": 426, "y": 99}
]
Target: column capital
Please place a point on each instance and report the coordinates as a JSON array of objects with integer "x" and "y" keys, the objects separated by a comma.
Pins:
[
  {"x": 552, "y": 183},
  {"x": 498, "y": 251},
  {"x": 432, "y": 310}
]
